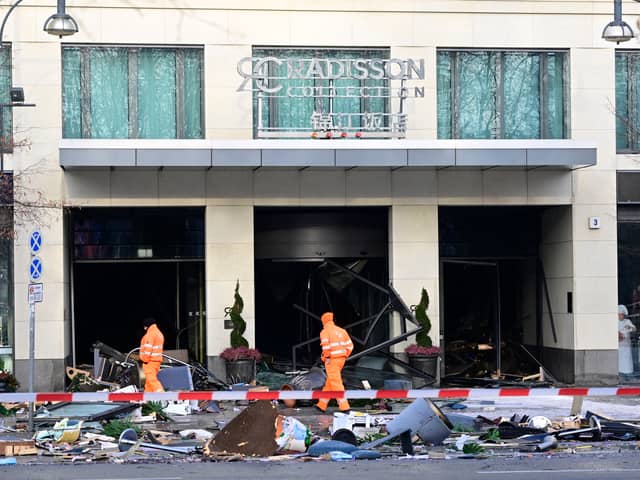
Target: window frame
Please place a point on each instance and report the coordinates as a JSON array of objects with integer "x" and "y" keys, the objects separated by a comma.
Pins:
[
  {"x": 132, "y": 53},
  {"x": 7, "y": 147},
  {"x": 633, "y": 61},
  {"x": 499, "y": 113}
]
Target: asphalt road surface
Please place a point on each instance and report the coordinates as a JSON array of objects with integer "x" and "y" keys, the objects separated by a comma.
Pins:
[{"x": 606, "y": 466}]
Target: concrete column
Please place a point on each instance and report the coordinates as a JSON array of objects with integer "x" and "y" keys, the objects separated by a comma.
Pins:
[
  {"x": 229, "y": 258},
  {"x": 594, "y": 196},
  {"x": 52, "y": 325},
  {"x": 556, "y": 255},
  {"x": 414, "y": 263}
]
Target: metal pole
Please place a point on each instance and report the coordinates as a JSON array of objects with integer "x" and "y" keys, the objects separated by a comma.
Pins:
[
  {"x": 2, "y": 137},
  {"x": 32, "y": 364},
  {"x": 4, "y": 21},
  {"x": 617, "y": 10}
]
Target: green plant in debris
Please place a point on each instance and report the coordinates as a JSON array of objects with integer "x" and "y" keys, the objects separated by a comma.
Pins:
[
  {"x": 371, "y": 437},
  {"x": 492, "y": 435},
  {"x": 155, "y": 408},
  {"x": 472, "y": 448},
  {"x": 114, "y": 428},
  {"x": 460, "y": 428},
  {"x": 6, "y": 412},
  {"x": 239, "y": 325}
]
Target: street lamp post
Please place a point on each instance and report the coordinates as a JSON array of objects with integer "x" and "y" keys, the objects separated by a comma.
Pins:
[
  {"x": 60, "y": 24},
  {"x": 617, "y": 30}
]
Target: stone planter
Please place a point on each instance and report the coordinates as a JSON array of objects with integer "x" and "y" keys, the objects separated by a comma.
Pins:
[
  {"x": 427, "y": 364},
  {"x": 241, "y": 371}
]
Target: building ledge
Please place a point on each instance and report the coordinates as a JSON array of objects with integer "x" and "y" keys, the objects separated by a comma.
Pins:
[{"x": 338, "y": 153}]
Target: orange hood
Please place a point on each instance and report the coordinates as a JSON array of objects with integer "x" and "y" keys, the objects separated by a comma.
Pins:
[{"x": 326, "y": 318}]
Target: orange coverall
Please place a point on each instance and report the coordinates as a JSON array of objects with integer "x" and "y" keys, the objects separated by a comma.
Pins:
[
  {"x": 151, "y": 356},
  {"x": 336, "y": 347}
]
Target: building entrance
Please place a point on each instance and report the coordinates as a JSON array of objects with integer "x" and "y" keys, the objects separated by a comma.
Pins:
[
  {"x": 132, "y": 263},
  {"x": 490, "y": 292},
  {"x": 300, "y": 259}
]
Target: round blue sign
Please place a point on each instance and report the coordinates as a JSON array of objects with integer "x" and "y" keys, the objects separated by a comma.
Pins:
[
  {"x": 35, "y": 242},
  {"x": 35, "y": 269}
]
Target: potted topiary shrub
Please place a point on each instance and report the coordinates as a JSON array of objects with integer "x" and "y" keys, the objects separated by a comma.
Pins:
[
  {"x": 240, "y": 359},
  {"x": 423, "y": 355}
]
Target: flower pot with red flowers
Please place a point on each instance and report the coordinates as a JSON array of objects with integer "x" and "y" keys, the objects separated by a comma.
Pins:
[
  {"x": 424, "y": 359},
  {"x": 240, "y": 359},
  {"x": 423, "y": 355},
  {"x": 241, "y": 363},
  {"x": 8, "y": 382}
]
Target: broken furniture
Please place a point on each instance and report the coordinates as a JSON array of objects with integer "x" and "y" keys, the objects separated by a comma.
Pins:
[
  {"x": 176, "y": 378},
  {"x": 422, "y": 418},
  {"x": 129, "y": 438},
  {"x": 366, "y": 344},
  {"x": 405, "y": 441},
  {"x": 113, "y": 366},
  {"x": 115, "y": 369},
  {"x": 86, "y": 411}
]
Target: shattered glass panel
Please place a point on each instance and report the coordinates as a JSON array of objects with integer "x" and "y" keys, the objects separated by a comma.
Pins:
[{"x": 88, "y": 410}]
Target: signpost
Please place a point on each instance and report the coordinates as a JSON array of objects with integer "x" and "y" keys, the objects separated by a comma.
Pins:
[{"x": 35, "y": 293}]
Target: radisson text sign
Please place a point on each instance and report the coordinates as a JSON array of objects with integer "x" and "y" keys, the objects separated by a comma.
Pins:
[
  {"x": 326, "y": 81},
  {"x": 262, "y": 70}
]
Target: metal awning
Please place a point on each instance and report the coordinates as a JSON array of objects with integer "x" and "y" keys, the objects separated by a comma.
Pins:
[{"x": 336, "y": 153}]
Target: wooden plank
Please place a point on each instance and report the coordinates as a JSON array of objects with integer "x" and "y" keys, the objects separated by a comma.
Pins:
[
  {"x": 576, "y": 405},
  {"x": 12, "y": 448}
]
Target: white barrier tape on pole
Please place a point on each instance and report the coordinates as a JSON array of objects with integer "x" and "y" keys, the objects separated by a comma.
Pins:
[{"x": 602, "y": 392}]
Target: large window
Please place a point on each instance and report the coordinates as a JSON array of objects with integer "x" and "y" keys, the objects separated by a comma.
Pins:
[
  {"x": 292, "y": 109},
  {"x": 135, "y": 92},
  {"x": 628, "y": 193},
  {"x": 5, "y": 85},
  {"x": 629, "y": 291},
  {"x": 502, "y": 94},
  {"x": 627, "y": 101},
  {"x": 6, "y": 292}
]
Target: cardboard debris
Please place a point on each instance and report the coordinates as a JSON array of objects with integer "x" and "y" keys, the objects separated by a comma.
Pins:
[
  {"x": 252, "y": 432},
  {"x": 12, "y": 448}
]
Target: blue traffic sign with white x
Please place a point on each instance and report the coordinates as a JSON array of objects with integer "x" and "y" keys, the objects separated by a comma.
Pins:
[
  {"x": 35, "y": 242},
  {"x": 35, "y": 269}
]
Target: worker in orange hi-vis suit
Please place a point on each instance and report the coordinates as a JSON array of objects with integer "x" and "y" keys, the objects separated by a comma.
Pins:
[
  {"x": 336, "y": 348},
  {"x": 151, "y": 355}
]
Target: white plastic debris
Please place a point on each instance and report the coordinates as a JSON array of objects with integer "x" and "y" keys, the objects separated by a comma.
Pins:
[
  {"x": 178, "y": 407},
  {"x": 348, "y": 421},
  {"x": 462, "y": 439},
  {"x": 199, "y": 434},
  {"x": 539, "y": 422},
  {"x": 291, "y": 434}
]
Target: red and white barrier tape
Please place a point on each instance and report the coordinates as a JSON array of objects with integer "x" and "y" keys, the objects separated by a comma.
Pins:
[{"x": 443, "y": 393}]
